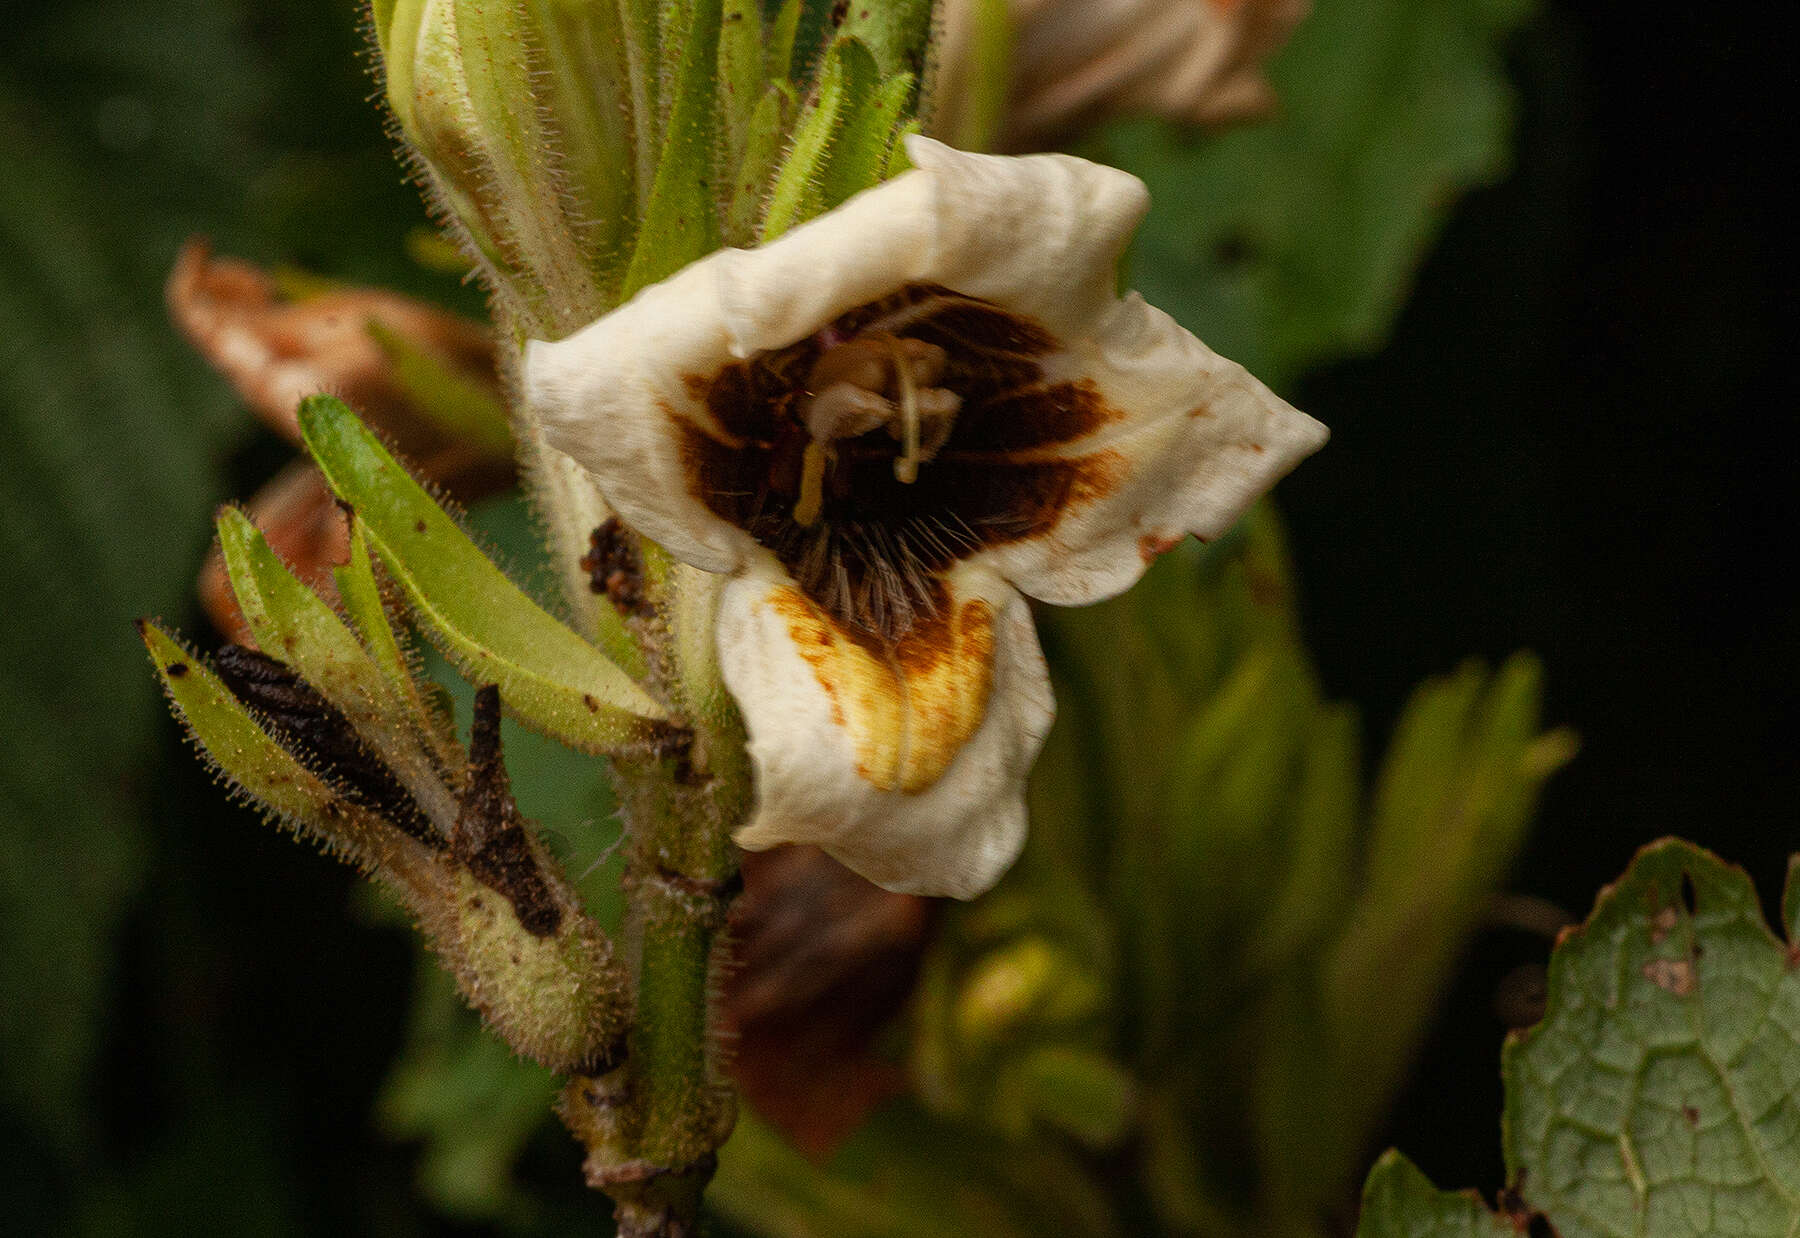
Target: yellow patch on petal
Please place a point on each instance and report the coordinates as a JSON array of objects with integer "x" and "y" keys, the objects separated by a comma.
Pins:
[{"x": 909, "y": 705}]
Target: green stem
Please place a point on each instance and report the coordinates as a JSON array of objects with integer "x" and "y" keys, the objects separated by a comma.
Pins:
[{"x": 653, "y": 1126}]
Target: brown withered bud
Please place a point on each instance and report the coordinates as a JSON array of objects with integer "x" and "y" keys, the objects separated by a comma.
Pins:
[
  {"x": 321, "y": 738},
  {"x": 510, "y": 927},
  {"x": 823, "y": 961},
  {"x": 615, "y": 567},
  {"x": 1078, "y": 62},
  {"x": 276, "y": 351}
]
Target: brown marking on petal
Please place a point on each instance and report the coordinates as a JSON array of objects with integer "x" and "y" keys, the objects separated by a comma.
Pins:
[
  {"x": 908, "y": 705},
  {"x": 871, "y": 554},
  {"x": 1031, "y": 418},
  {"x": 974, "y": 324},
  {"x": 1200, "y": 411},
  {"x": 1153, "y": 546}
]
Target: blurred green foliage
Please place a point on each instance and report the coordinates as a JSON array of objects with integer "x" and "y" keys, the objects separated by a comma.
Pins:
[
  {"x": 124, "y": 128},
  {"x": 1188, "y": 1004}
]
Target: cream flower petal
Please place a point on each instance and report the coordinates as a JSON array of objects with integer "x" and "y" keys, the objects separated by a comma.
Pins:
[
  {"x": 1193, "y": 439},
  {"x": 818, "y": 722},
  {"x": 611, "y": 397}
]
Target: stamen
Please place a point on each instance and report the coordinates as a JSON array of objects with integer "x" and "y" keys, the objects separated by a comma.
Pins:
[
  {"x": 906, "y": 464},
  {"x": 812, "y": 483}
]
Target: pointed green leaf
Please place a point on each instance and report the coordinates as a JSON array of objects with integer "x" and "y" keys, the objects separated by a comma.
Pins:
[
  {"x": 550, "y": 678},
  {"x": 898, "y": 160},
  {"x": 895, "y": 31},
  {"x": 762, "y": 147},
  {"x": 360, "y": 594},
  {"x": 679, "y": 225},
  {"x": 779, "y": 51},
  {"x": 586, "y": 87},
  {"x": 643, "y": 90}
]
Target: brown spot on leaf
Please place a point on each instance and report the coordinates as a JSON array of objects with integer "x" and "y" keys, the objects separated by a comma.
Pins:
[
  {"x": 1662, "y": 923},
  {"x": 177, "y": 670},
  {"x": 1691, "y": 1116},
  {"x": 1677, "y": 976}
]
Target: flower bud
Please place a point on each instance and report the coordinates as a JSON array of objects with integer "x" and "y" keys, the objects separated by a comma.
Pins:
[
  {"x": 1069, "y": 64},
  {"x": 520, "y": 114}
]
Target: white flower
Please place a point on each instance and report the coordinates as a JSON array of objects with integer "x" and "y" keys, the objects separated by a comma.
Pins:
[{"x": 883, "y": 426}]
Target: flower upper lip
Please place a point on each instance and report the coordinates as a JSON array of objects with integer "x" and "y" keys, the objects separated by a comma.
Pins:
[{"x": 1002, "y": 422}]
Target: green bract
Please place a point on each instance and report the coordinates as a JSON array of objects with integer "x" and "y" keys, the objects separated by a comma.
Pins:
[
  {"x": 549, "y": 677},
  {"x": 246, "y": 754}
]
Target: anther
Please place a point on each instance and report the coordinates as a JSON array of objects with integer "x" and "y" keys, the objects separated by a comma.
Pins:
[
  {"x": 906, "y": 464},
  {"x": 812, "y": 483}
]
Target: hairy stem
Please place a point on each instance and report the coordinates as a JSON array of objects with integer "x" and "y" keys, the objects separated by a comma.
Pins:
[{"x": 652, "y": 1127}]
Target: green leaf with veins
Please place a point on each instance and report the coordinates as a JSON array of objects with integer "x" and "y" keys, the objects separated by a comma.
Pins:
[{"x": 1660, "y": 1095}]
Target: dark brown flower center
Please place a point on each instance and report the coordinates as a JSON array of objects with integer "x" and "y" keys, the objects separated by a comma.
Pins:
[{"x": 906, "y": 435}]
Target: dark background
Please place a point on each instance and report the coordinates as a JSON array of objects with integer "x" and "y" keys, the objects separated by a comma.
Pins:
[
  {"x": 1584, "y": 447},
  {"x": 1576, "y": 442}
]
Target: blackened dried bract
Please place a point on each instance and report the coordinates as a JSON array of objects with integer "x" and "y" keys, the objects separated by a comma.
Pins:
[
  {"x": 490, "y": 838},
  {"x": 615, "y": 568},
  {"x": 321, "y": 738}
]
